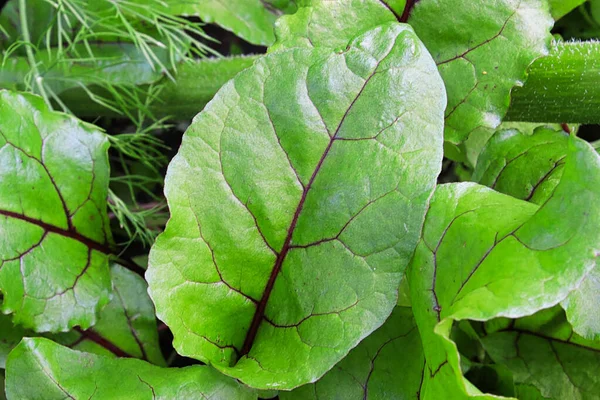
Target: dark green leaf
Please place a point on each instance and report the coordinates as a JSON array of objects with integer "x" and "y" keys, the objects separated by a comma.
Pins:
[
  {"x": 309, "y": 172},
  {"x": 41, "y": 369},
  {"x": 547, "y": 360},
  {"x": 53, "y": 223}
]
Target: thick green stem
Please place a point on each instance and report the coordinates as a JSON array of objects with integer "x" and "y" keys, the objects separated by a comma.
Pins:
[{"x": 563, "y": 87}]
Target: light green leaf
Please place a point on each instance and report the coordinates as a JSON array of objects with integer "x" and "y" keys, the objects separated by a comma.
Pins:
[
  {"x": 41, "y": 369},
  {"x": 481, "y": 56},
  {"x": 527, "y": 167},
  {"x": 126, "y": 327},
  {"x": 53, "y": 223},
  {"x": 387, "y": 365},
  {"x": 252, "y": 20},
  {"x": 483, "y": 255},
  {"x": 547, "y": 360},
  {"x": 310, "y": 171},
  {"x": 560, "y": 8},
  {"x": 331, "y": 24}
]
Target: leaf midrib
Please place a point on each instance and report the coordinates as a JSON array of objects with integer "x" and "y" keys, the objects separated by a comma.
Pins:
[
  {"x": 72, "y": 234},
  {"x": 261, "y": 307}
]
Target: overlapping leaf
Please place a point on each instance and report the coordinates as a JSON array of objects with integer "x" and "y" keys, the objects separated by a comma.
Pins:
[
  {"x": 252, "y": 20},
  {"x": 387, "y": 365},
  {"x": 529, "y": 167},
  {"x": 54, "y": 233},
  {"x": 126, "y": 327},
  {"x": 293, "y": 216},
  {"x": 485, "y": 255},
  {"x": 39, "y": 368},
  {"x": 546, "y": 358},
  {"x": 481, "y": 56}
]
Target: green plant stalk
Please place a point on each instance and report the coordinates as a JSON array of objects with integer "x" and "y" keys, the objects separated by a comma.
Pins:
[
  {"x": 562, "y": 87},
  {"x": 30, "y": 56}
]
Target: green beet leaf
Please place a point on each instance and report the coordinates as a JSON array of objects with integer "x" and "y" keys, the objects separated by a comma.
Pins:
[
  {"x": 126, "y": 327},
  {"x": 387, "y": 365},
  {"x": 296, "y": 201},
  {"x": 529, "y": 167},
  {"x": 252, "y": 20},
  {"x": 484, "y": 255},
  {"x": 481, "y": 56},
  {"x": 53, "y": 223},
  {"x": 41, "y": 369},
  {"x": 547, "y": 360}
]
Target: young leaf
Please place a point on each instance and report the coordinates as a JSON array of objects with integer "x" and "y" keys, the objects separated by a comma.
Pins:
[
  {"x": 481, "y": 55},
  {"x": 53, "y": 223},
  {"x": 39, "y": 368},
  {"x": 311, "y": 170},
  {"x": 126, "y": 327},
  {"x": 252, "y": 20},
  {"x": 387, "y": 365},
  {"x": 527, "y": 167},
  {"x": 546, "y": 359},
  {"x": 483, "y": 255}
]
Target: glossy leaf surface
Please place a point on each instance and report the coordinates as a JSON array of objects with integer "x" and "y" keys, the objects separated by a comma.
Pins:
[
  {"x": 387, "y": 365},
  {"x": 39, "y": 368},
  {"x": 529, "y": 167},
  {"x": 54, "y": 233},
  {"x": 476, "y": 242},
  {"x": 276, "y": 200},
  {"x": 126, "y": 326},
  {"x": 481, "y": 56}
]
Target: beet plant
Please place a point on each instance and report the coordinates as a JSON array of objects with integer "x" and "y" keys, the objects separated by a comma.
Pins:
[{"x": 310, "y": 199}]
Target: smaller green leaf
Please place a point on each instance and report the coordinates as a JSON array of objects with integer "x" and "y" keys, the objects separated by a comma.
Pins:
[
  {"x": 547, "y": 360},
  {"x": 560, "y": 8},
  {"x": 389, "y": 364},
  {"x": 329, "y": 24},
  {"x": 252, "y": 20},
  {"x": 55, "y": 242},
  {"x": 481, "y": 57},
  {"x": 125, "y": 327},
  {"x": 41, "y": 369},
  {"x": 527, "y": 167}
]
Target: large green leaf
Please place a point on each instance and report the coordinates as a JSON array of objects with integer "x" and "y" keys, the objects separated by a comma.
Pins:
[
  {"x": 252, "y": 20},
  {"x": 560, "y": 8},
  {"x": 387, "y": 365},
  {"x": 481, "y": 56},
  {"x": 296, "y": 201},
  {"x": 547, "y": 360},
  {"x": 53, "y": 223},
  {"x": 126, "y": 327},
  {"x": 529, "y": 167},
  {"x": 484, "y": 255},
  {"x": 41, "y": 369}
]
